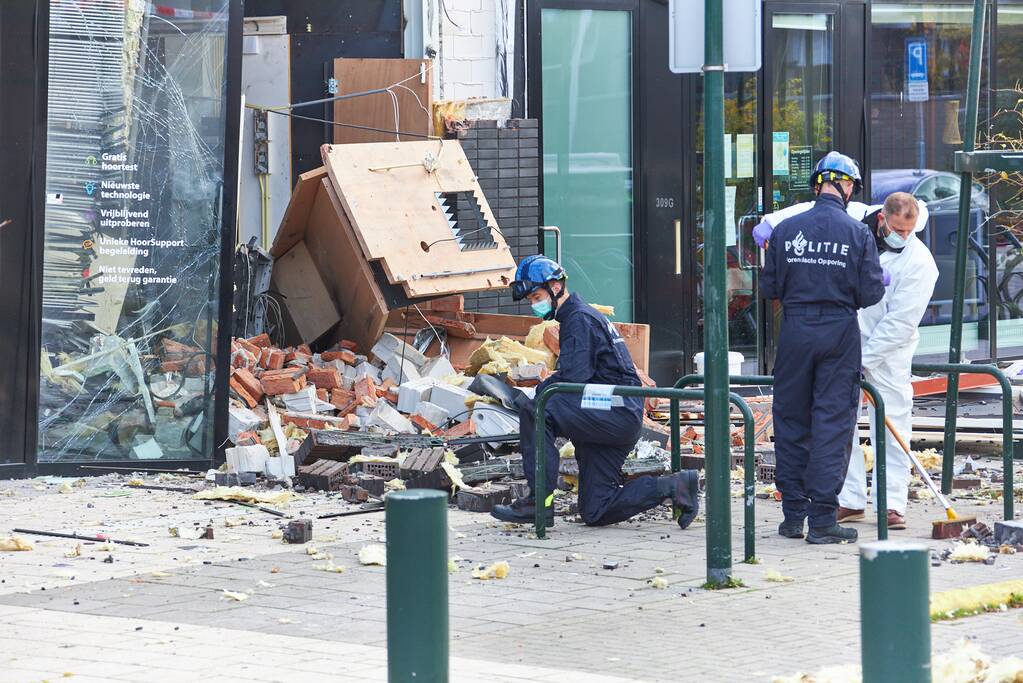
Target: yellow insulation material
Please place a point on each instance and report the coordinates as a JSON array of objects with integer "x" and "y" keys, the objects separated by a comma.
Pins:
[
  {"x": 500, "y": 355},
  {"x": 974, "y": 598}
]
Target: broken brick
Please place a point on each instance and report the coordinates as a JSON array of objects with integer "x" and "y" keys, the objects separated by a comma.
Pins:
[
  {"x": 366, "y": 388},
  {"x": 424, "y": 424},
  {"x": 344, "y": 355},
  {"x": 456, "y": 328},
  {"x": 343, "y": 399},
  {"x": 249, "y": 383},
  {"x": 461, "y": 429},
  {"x": 260, "y": 340},
  {"x": 276, "y": 361},
  {"x": 448, "y": 304},
  {"x": 349, "y": 344},
  {"x": 298, "y": 358},
  {"x": 287, "y": 381},
  {"x": 250, "y": 347},
  {"x": 324, "y": 378},
  {"x": 244, "y": 395}
]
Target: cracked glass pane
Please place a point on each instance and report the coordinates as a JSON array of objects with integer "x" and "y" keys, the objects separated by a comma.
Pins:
[{"x": 134, "y": 183}]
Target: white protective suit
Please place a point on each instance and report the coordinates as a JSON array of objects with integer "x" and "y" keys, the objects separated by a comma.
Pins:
[{"x": 889, "y": 335}]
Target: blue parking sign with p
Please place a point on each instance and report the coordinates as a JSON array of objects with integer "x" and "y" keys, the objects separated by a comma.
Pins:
[{"x": 916, "y": 71}]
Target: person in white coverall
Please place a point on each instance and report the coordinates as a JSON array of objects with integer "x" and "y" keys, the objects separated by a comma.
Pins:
[{"x": 889, "y": 336}]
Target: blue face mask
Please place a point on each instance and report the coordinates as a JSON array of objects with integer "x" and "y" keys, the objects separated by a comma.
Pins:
[
  {"x": 541, "y": 309},
  {"x": 895, "y": 240}
]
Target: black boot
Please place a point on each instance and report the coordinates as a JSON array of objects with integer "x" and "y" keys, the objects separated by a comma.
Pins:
[
  {"x": 684, "y": 490},
  {"x": 791, "y": 528},
  {"x": 521, "y": 511},
  {"x": 831, "y": 534}
]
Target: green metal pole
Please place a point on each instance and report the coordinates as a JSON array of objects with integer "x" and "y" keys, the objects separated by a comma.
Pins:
[
  {"x": 715, "y": 322},
  {"x": 955, "y": 341},
  {"x": 676, "y": 450},
  {"x": 417, "y": 586},
  {"x": 895, "y": 625},
  {"x": 880, "y": 440}
]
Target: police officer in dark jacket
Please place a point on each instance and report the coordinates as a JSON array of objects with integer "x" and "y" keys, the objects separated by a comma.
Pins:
[
  {"x": 823, "y": 266},
  {"x": 592, "y": 352}
]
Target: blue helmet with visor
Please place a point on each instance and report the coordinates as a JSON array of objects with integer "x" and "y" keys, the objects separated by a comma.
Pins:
[{"x": 537, "y": 272}]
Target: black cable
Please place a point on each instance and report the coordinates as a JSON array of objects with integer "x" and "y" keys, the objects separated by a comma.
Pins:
[{"x": 355, "y": 126}]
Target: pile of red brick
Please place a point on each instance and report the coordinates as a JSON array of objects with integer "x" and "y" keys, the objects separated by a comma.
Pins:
[{"x": 260, "y": 370}]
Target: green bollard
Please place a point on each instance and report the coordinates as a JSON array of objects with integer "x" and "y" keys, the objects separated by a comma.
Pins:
[
  {"x": 895, "y": 624},
  {"x": 417, "y": 586}
]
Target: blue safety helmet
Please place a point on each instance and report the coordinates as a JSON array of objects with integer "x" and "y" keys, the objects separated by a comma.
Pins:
[
  {"x": 835, "y": 166},
  {"x": 533, "y": 273}
]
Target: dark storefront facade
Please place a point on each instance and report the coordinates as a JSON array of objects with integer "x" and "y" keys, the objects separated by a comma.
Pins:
[
  {"x": 622, "y": 159},
  {"x": 121, "y": 164},
  {"x": 119, "y": 160}
]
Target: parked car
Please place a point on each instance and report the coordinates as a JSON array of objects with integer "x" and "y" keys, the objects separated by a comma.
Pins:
[{"x": 940, "y": 189}]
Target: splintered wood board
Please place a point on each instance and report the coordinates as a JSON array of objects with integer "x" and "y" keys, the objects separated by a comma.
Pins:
[
  {"x": 296, "y": 217},
  {"x": 306, "y": 297},
  {"x": 394, "y": 210},
  {"x": 932, "y": 386},
  {"x": 345, "y": 272},
  {"x": 377, "y": 111}
]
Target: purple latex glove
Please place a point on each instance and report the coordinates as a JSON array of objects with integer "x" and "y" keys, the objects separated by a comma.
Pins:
[
  {"x": 762, "y": 233},
  {"x": 886, "y": 277}
]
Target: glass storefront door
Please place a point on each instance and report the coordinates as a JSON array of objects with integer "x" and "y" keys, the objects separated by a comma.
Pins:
[
  {"x": 743, "y": 209},
  {"x": 800, "y": 63},
  {"x": 799, "y": 116},
  {"x": 134, "y": 184},
  {"x": 587, "y": 149}
]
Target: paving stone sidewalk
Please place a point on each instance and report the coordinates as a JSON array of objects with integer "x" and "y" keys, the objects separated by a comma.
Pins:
[{"x": 160, "y": 613}]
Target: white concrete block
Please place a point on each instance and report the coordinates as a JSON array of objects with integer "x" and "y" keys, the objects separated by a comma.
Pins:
[
  {"x": 367, "y": 370},
  {"x": 432, "y": 413},
  {"x": 241, "y": 420},
  {"x": 491, "y": 420},
  {"x": 401, "y": 372},
  {"x": 465, "y": 47},
  {"x": 247, "y": 458},
  {"x": 438, "y": 368},
  {"x": 391, "y": 348},
  {"x": 451, "y": 399},
  {"x": 389, "y": 419},
  {"x": 413, "y": 393}
]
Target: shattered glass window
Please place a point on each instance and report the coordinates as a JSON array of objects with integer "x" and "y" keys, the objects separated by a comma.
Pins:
[{"x": 134, "y": 181}]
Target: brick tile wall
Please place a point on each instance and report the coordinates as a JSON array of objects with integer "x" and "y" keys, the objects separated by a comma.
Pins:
[{"x": 507, "y": 163}]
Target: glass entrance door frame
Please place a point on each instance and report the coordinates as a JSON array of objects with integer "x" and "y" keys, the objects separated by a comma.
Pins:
[
  {"x": 849, "y": 112},
  {"x": 534, "y": 109}
]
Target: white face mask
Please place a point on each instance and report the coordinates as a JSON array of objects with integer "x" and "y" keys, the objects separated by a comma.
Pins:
[{"x": 897, "y": 241}]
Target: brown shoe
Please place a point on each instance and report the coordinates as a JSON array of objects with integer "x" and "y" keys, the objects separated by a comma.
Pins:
[
  {"x": 849, "y": 515},
  {"x": 896, "y": 520}
]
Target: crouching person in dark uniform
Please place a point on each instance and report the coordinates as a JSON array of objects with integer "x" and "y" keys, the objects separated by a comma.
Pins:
[
  {"x": 592, "y": 352},
  {"x": 823, "y": 266}
]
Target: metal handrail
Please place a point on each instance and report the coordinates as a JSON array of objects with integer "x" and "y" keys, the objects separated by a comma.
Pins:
[
  {"x": 719, "y": 559},
  {"x": 948, "y": 456},
  {"x": 880, "y": 471}
]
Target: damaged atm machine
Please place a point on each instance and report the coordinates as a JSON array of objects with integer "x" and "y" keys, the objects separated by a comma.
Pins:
[{"x": 367, "y": 365}]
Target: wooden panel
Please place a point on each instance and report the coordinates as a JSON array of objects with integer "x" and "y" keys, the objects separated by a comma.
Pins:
[
  {"x": 932, "y": 386},
  {"x": 377, "y": 111},
  {"x": 346, "y": 274},
  {"x": 296, "y": 217},
  {"x": 389, "y": 195},
  {"x": 307, "y": 299}
]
